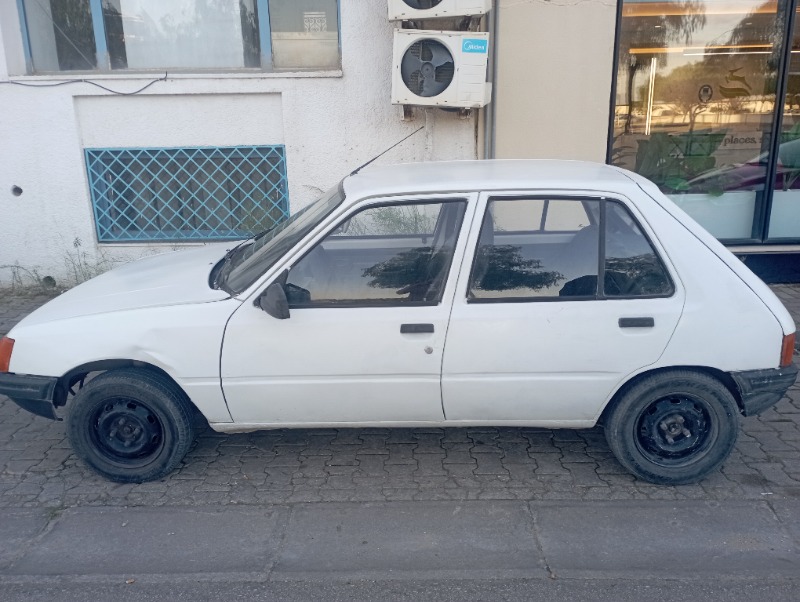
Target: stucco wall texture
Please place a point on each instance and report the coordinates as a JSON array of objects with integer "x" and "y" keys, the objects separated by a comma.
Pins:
[{"x": 330, "y": 122}]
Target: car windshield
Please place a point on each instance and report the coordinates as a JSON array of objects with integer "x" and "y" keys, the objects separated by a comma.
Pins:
[{"x": 263, "y": 252}]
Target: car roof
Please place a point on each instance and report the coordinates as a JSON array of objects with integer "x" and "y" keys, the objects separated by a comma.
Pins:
[{"x": 492, "y": 174}]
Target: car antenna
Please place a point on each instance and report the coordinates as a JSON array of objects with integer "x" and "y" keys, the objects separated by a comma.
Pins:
[{"x": 357, "y": 169}]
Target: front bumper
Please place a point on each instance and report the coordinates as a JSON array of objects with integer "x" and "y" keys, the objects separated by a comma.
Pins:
[
  {"x": 33, "y": 393},
  {"x": 761, "y": 389}
]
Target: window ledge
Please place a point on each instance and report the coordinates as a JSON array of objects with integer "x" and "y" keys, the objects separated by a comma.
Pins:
[
  {"x": 162, "y": 244},
  {"x": 149, "y": 75}
]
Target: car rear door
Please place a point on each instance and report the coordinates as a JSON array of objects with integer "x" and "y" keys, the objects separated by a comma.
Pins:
[{"x": 561, "y": 298}]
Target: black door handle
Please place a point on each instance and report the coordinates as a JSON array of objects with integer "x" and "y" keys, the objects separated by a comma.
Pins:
[
  {"x": 415, "y": 328},
  {"x": 636, "y": 322}
]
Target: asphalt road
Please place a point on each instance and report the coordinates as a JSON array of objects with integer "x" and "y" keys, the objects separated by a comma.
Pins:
[
  {"x": 613, "y": 550},
  {"x": 598, "y": 590}
]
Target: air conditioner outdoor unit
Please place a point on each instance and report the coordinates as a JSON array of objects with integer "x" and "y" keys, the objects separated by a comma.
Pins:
[
  {"x": 440, "y": 68},
  {"x": 407, "y": 10}
]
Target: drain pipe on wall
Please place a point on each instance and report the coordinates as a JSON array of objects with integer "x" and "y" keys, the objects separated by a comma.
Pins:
[{"x": 489, "y": 111}]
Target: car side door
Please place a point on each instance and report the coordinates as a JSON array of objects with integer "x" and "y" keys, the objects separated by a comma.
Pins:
[
  {"x": 566, "y": 295},
  {"x": 369, "y": 304}
]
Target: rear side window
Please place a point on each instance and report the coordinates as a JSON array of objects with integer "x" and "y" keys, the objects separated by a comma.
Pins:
[
  {"x": 536, "y": 248},
  {"x": 563, "y": 249},
  {"x": 540, "y": 215},
  {"x": 632, "y": 266}
]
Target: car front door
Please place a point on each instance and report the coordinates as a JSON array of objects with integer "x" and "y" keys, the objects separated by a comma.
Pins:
[
  {"x": 566, "y": 296},
  {"x": 369, "y": 303}
]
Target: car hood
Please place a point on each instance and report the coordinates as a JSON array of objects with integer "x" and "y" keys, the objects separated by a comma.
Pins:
[{"x": 171, "y": 278}]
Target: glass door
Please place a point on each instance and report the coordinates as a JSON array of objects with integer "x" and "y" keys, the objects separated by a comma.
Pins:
[
  {"x": 695, "y": 107},
  {"x": 784, "y": 215}
]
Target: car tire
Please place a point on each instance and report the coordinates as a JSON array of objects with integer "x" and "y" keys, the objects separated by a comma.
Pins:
[
  {"x": 130, "y": 425},
  {"x": 673, "y": 428}
]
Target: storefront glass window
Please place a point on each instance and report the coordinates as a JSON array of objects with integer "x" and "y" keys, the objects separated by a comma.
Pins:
[
  {"x": 695, "y": 103},
  {"x": 784, "y": 219}
]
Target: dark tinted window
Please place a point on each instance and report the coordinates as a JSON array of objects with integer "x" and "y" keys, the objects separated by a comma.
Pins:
[
  {"x": 548, "y": 249},
  {"x": 387, "y": 255},
  {"x": 632, "y": 266},
  {"x": 536, "y": 248}
]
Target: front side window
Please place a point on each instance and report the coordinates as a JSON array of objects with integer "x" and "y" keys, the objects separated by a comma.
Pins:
[
  {"x": 66, "y": 35},
  {"x": 262, "y": 252},
  {"x": 550, "y": 249},
  {"x": 397, "y": 254}
]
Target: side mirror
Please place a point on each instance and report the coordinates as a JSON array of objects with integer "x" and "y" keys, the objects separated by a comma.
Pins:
[{"x": 273, "y": 300}]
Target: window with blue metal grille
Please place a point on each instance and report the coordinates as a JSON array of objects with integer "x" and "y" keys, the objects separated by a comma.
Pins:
[{"x": 175, "y": 194}]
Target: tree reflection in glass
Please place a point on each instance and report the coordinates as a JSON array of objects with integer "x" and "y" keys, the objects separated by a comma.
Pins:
[
  {"x": 638, "y": 276},
  {"x": 644, "y": 39},
  {"x": 503, "y": 268},
  {"x": 416, "y": 273}
]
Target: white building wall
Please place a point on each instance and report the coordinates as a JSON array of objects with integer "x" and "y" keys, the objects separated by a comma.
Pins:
[{"x": 330, "y": 122}]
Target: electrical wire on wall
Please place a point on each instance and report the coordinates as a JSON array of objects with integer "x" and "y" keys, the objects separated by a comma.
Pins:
[{"x": 86, "y": 81}]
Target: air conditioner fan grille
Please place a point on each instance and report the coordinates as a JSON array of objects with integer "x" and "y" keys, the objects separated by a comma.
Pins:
[
  {"x": 427, "y": 68},
  {"x": 422, "y": 4}
]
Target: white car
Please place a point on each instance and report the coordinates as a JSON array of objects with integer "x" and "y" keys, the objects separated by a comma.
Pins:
[{"x": 507, "y": 293}]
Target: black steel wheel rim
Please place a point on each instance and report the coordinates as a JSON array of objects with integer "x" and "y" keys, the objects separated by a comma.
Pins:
[
  {"x": 126, "y": 432},
  {"x": 675, "y": 430}
]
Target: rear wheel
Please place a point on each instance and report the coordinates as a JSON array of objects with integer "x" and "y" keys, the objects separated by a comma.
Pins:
[
  {"x": 130, "y": 425},
  {"x": 674, "y": 427}
]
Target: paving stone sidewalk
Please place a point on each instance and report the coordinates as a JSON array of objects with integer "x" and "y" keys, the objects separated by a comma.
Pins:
[{"x": 38, "y": 469}]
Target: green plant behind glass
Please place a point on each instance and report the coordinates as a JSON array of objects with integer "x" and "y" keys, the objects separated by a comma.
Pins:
[
  {"x": 672, "y": 161},
  {"x": 789, "y": 157}
]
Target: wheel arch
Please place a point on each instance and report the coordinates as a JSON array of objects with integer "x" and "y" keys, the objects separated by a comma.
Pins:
[
  {"x": 723, "y": 377},
  {"x": 69, "y": 379}
]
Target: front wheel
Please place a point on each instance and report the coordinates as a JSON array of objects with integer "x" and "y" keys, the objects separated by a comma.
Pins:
[
  {"x": 130, "y": 425},
  {"x": 673, "y": 428}
]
